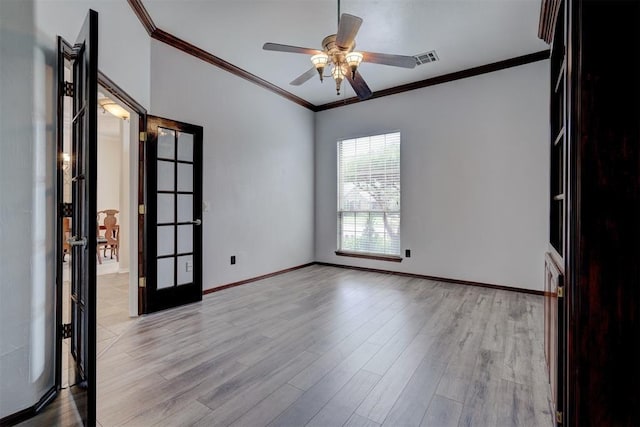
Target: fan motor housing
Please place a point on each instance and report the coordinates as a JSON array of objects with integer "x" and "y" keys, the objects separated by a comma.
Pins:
[{"x": 335, "y": 52}]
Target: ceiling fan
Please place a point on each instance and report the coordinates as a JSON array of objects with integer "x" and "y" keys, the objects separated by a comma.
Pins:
[{"x": 339, "y": 54}]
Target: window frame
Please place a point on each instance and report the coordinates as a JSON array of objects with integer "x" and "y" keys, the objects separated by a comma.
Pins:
[{"x": 340, "y": 212}]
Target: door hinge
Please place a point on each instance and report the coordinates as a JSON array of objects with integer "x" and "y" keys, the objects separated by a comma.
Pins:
[
  {"x": 67, "y": 89},
  {"x": 559, "y": 417},
  {"x": 142, "y": 283},
  {"x": 560, "y": 291},
  {"x": 143, "y": 136},
  {"x": 66, "y": 330},
  {"x": 66, "y": 209},
  {"x": 141, "y": 209}
]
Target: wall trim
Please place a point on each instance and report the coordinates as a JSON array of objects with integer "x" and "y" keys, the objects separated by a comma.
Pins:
[
  {"x": 445, "y": 78},
  {"x": 255, "y": 279},
  {"x": 377, "y": 270},
  {"x": 193, "y": 50},
  {"x": 121, "y": 94},
  {"x": 376, "y": 257},
  {"x": 210, "y": 58},
  {"x": 143, "y": 15},
  {"x": 31, "y": 411},
  {"x": 437, "y": 279}
]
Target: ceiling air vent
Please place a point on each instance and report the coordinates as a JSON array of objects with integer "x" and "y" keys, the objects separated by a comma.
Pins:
[{"x": 425, "y": 58}]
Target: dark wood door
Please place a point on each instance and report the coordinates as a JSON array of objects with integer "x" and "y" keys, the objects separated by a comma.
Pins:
[
  {"x": 82, "y": 244},
  {"x": 174, "y": 214},
  {"x": 554, "y": 337}
]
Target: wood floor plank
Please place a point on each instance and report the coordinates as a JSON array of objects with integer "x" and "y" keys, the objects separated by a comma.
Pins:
[
  {"x": 412, "y": 404},
  {"x": 443, "y": 412},
  {"x": 482, "y": 402},
  {"x": 312, "y": 400},
  {"x": 269, "y": 408},
  {"x": 360, "y": 421},
  {"x": 189, "y": 415},
  {"x": 236, "y": 402},
  {"x": 519, "y": 406},
  {"x": 308, "y": 377},
  {"x": 382, "y": 398},
  {"x": 340, "y": 408},
  {"x": 457, "y": 377}
]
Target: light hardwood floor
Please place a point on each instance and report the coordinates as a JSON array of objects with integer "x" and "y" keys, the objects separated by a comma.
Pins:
[{"x": 325, "y": 346}]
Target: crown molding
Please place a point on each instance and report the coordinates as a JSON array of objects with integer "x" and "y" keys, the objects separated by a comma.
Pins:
[
  {"x": 445, "y": 78},
  {"x": 143, "y": 16},
  {"x": 193, "y": 50}
]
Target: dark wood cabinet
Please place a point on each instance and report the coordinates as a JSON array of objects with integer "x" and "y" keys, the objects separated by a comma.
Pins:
[
  {"x": 552, "y": 29},
  {"x": 594, "y": 235}
]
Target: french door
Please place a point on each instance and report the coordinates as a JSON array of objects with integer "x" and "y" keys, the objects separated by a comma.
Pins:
[
  {"x": 174, "y": 214},
  {"x": 78, "y": 238}
]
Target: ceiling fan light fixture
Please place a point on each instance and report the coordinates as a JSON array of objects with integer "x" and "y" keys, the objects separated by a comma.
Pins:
[
  {"x": 353, "y": 59},
  {"x": 338, "y": 73},
  {"x": 320, "y": 61},
  {"x": 113, "y": 108}
]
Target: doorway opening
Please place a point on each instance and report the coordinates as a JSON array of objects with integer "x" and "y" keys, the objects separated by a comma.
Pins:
[
  {"x": 116, "y": 219},
  {"x": 117, "y": 209}
]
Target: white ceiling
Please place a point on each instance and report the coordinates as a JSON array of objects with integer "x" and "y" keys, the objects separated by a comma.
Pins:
[{"x": 465, "y": 34}]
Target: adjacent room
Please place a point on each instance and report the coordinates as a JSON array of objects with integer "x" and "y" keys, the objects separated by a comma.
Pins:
[{"x": 327, "y": 213}]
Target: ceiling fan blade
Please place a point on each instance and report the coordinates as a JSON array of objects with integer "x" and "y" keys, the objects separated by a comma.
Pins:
[
  {"x": 292, "y": 49},
  {"x": 403, "y": 61},
  {"x": 304, "y": 77},
  {"x": 359, "y": 86},
  {"x": 347, "y": 30}
]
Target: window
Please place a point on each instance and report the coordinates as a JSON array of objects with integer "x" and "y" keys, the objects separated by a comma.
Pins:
[{"x": 369, "y": 195}]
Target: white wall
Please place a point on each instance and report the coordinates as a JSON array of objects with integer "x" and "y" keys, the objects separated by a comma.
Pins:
[
  {"x": 258, "y": 166},
  {"x": 27, "y": 256},
  {"x": 109, "y": 172},
  {"x": 475, "y": 164},
  {"x": 123, "y": 43}
]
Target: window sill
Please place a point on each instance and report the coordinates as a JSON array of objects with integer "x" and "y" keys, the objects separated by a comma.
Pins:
[{"x": 376, "y": 257}]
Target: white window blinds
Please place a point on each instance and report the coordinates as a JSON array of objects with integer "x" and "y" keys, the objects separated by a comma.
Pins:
[{"x": 369, "y": 194}]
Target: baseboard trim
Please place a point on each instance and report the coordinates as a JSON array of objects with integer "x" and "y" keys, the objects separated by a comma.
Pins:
[
  {"x": 437, "y": 279},
  {"x": 255, "y": 279},
  {"x": 377, "y": 270},
  {"x": 30, "y": 412}
]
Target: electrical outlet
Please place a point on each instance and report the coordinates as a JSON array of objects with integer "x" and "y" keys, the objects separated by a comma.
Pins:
[
  {"x": 233, "y": 259},
  {"x": 188, "y": 266},
  {"x": 407, "y": 253}
]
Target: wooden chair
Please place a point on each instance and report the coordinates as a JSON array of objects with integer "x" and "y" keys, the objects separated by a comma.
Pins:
[{"x": 111, "y": 238}]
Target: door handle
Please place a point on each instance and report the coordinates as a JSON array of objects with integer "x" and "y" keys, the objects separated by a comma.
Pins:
[
  {"x": 196, "y": 222},
  {"x": 75, "y": 241}
]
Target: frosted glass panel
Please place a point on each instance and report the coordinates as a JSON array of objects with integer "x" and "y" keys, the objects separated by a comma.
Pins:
[
  {"x": 185, "y": 146},
  {"x": 166, "y": 143},
  {"x": 185, "y": 177},
  {"x": 185, "y": 239},
  {"x": 165, "y": 176},
  {"x": 165, "y": 240},
  {"x": 185, "y": 270},
  {"x": 165, "y": 273},
  {"x": 185, "y": 207},
  {"x": 166, "y": 208}
]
